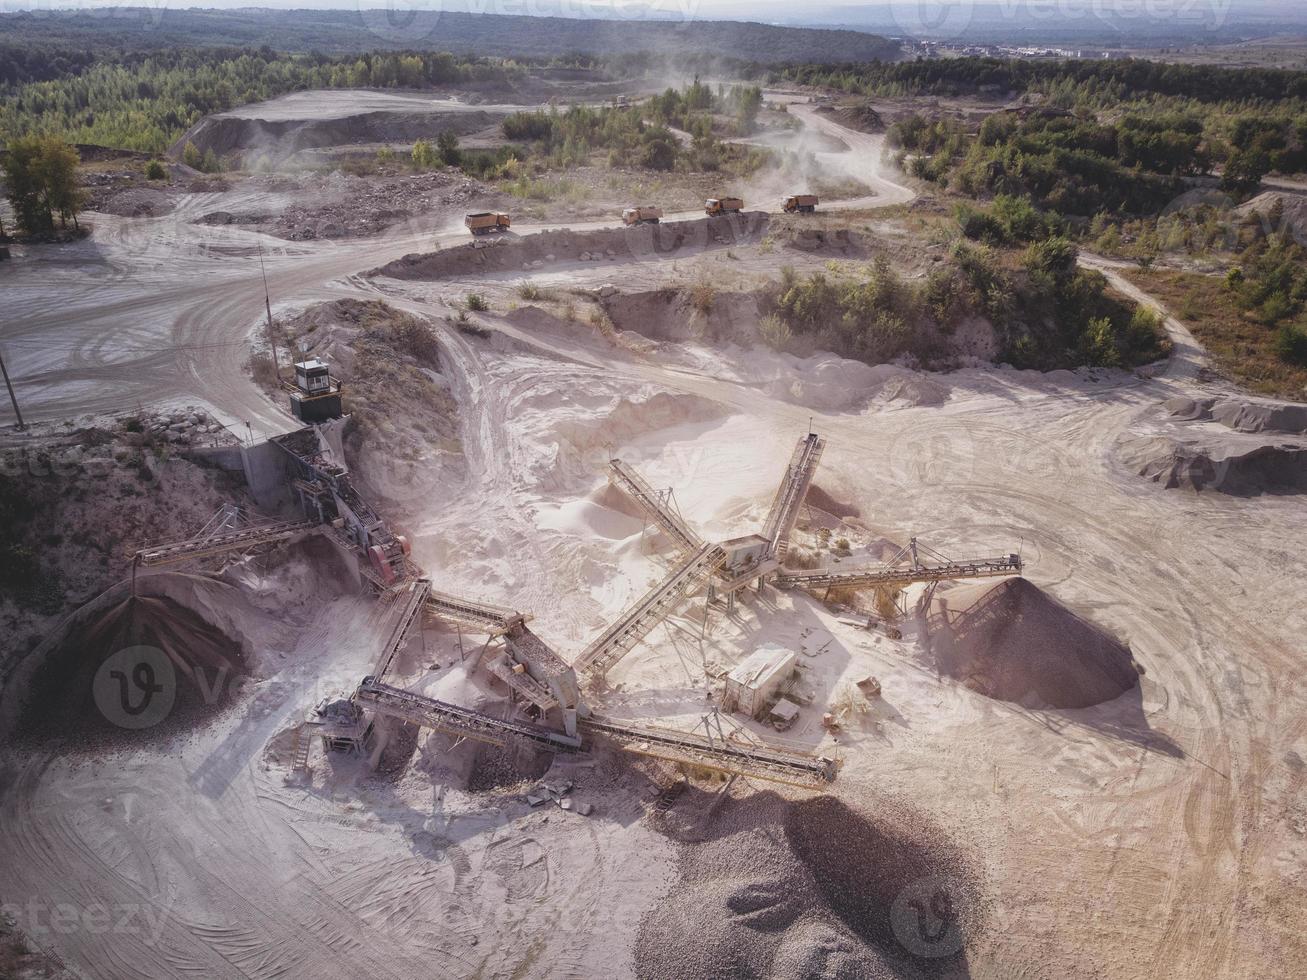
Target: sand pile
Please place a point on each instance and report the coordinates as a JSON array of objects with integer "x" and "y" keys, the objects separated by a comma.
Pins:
[
  {"x": 1238, "y": 465},
  {"x": 809, "y": 890},
  {"x": 1013, "y": 642},
  {"x": 146, "y": 663},
  {"x": 1241, "y": 415}
]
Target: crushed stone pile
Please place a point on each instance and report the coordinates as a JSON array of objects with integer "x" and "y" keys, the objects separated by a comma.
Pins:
[
  {"x": 1013, "y": 642},
  {"x": 812, "y": 889},
  {"x": 95, "y": 683},
  {"x": 1241, "y": 415},
  {"x": 1232, "y": 465}
]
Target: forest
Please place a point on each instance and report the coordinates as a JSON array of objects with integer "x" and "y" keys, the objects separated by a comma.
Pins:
[{"x": 144, "y": 102}]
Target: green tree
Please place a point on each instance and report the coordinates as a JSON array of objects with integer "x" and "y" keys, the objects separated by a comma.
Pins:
[
  {"x": 154, "y": 171},
  {"x": 191, "y": 156},
  {"x": 424, "y": 157},
  {"x": 41, "y": 182},
  {"x": 447, "y": 146}
]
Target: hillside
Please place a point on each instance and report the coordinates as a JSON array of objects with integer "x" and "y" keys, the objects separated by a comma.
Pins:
[{"x": 335, "y": 31}]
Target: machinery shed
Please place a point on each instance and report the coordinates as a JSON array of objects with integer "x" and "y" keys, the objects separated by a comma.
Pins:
[{"x": 754, "y": 684}]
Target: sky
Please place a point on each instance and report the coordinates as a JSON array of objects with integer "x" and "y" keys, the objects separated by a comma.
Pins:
[{"x": 905, "y": 14}]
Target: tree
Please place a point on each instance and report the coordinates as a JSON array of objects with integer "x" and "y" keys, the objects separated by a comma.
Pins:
[
  {"x": 191, "y": 156},
  {"x": 447, "y": 146},
  {"x": 154, "y": 171},
  {"x": 41, "y": 181},
  {"x": 424, "y": 157}
]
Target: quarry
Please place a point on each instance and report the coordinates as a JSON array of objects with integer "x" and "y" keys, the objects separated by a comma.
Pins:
[{"x": 506, "y": 605}]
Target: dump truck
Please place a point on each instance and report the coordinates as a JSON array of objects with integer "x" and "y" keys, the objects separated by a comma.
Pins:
[
  {"x": 805, "y": 203},
  {"x": 486, "y": 222},
  {"x": 642, "y": 216},
  {"x": 723, "y": 205}
]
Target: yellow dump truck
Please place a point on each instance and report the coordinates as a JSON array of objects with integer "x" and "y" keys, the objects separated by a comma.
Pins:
[
  {"x": 642, "y": 216},
  {"x": 723, "y": 205},
  {"x": 485, "y": 222},
  {"x": 804, "y": 203}
]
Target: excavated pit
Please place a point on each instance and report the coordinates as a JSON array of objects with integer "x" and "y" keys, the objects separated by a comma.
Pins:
[
  {"x": 1013, "y": 642},
  {"x": 813, "y": 889},
  {"x": 145, "y": 666}
]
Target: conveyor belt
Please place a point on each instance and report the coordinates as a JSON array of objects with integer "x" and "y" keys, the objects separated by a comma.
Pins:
[
  {"x": 221, "y": 542},
  {"x": 639, "y": 490},
  {"x": 884, "y": 576},
  {"x": 410, "y": 614},
  {"x": 784, "y": 512},
  {"x": 776, "y": 765},
  {"x": 453, "y": 720},
  {"x": 477, "y": 615},
  {"x": 655, "y": 606}
]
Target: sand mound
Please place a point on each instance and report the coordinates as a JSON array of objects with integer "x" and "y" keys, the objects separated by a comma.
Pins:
[
  {"x": 812, "y": 889},
  {"x": 1241, "y": 415},
  {"x": 1232, "y": 465},
  {"x": 1013, "y": 642},
  {"x": 534, "y": 251},
  {"x": 913, "y": 390},
  {"x": 671, "y": 315},
  {"x": 819, "y": 498},
  {"x": 146, "y": 663}
]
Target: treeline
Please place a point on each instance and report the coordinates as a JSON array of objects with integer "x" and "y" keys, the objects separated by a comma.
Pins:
[
  {"x": 1048, "y": 312},
  {"x": 22, "y": 63},
  {"x": 642, "y": 134},
  {"x": 144, "y": 102},
  {"x": 1104, "y": 81}
]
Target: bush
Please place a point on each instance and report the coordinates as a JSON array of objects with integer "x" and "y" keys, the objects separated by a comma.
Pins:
[
  {"x": 477, "y": 303},
  {"x": 1291, "y": 344},
  {"x": 154, "y": 170},
  {"x": 775, "y": 332}
]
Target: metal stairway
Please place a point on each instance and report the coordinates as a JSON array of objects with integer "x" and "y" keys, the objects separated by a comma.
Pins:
[
  {"x": 656, "y": 605},
  {"x": 784, "y": 512},
  {"x": 672, "y": 524},
  {"x": 300, "y": 753}
]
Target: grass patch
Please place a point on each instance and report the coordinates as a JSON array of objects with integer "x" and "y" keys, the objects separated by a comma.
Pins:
[{"x": 1241, "y": 347}]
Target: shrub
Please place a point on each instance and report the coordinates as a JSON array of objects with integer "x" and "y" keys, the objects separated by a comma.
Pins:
[
  {"x": 775, "y": 332},
  {"x": 154, "y": 170},
  {"x": 477, "y": 303},
  {"x": 1291, "y": 344}
]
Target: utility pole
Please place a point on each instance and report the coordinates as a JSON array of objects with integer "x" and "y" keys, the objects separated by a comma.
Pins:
[
  {"x": 21, "y": 425},
  {"x": 267, "y": 305}
]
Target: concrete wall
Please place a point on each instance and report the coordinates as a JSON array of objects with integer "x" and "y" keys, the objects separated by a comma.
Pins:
[{"x": 268, "y": 472}]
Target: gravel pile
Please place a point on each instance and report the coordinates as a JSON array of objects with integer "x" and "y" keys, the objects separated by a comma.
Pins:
[
  {"x": 1013, "y": 642},
  {"x": 344, "y": 206},
  {"x": 812, "y": 889},
  {"x": 98, "y": 684}
]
